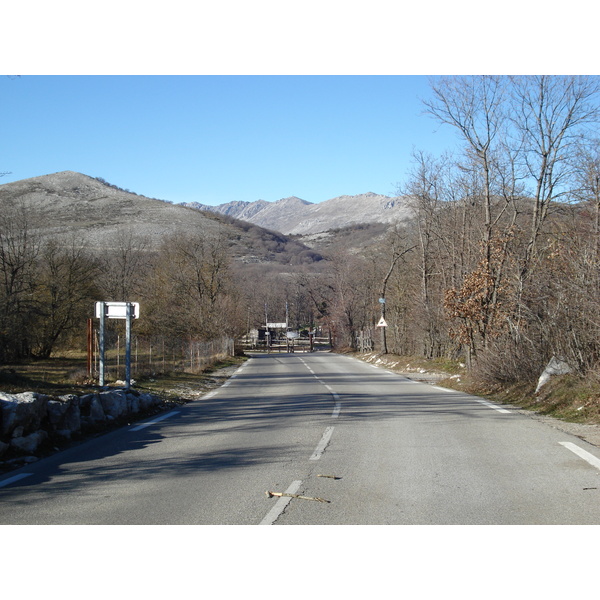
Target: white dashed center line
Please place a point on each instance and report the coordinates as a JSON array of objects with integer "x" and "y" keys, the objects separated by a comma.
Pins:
[
  {"x": 316, "y": 455},
  {"x": 279, "y": 507}
]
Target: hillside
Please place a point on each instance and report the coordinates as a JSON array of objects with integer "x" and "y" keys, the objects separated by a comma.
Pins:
[
  {"x": 296, "y": 216},
  {"x": 72, "y": 205}
]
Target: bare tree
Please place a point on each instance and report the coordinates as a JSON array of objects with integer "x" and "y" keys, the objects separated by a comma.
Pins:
[
  {"x": 192, "y": 285},
  {"x": 65, "y": 291},
  {"x": 19, "y": 248},
  {"x": 549, "y": 115},
  {"x": 124, "y": 266},
  {"x": 475, "y": 107}
]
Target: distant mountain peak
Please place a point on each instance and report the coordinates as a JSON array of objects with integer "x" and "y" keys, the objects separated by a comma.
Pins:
[
  {"x": 292, "y": 200},
  {"x": 293, "y": 215}
]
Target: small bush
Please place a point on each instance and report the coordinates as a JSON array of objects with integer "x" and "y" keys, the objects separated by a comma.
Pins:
[{"x": 505, "y": 362}]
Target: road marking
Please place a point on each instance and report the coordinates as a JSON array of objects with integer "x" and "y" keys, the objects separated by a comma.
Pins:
[
  {"x": 210, "y": 395},
  {"x": 338, "y": 406},
  {"x": 494, "y": 406},
  {"x": 14, "y": 478},
  {"x": 590, "y": 458},
  {"x": 239, "y": 370},
  {"x": 316, "y": 455},
  {"x": 171, "y": 414},
  {"x": 280, "y": 505},
  {"x": 485, "y": 402}
]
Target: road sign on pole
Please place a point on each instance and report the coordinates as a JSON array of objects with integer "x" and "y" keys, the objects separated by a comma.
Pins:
[
  {"x": 382, "y": 323},
  {"x": 117, "y": 310}
]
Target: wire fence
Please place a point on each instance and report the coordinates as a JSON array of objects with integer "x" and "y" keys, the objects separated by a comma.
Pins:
[{"x": 151, "y": 355}]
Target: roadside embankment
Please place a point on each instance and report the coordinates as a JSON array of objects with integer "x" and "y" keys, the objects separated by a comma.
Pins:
[{"x": 566, "y": 403}]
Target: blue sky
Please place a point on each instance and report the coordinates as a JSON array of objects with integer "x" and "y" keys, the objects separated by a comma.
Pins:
[
  {"x": 215, "y": 102},
  {"x": 215, "y": 139}
]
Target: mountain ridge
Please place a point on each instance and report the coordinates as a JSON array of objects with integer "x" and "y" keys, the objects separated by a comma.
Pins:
[
  {"x": 294, "y": 216},
  {"x": 72, "y": 206}
]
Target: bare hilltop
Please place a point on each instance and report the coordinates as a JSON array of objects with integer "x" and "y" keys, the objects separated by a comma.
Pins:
[
  {"x": 73, "y": 206},
  {"x": 299, "y": 217}
]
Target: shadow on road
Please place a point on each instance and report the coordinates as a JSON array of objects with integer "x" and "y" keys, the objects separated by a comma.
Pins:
[{"x": 250, "y": 403}]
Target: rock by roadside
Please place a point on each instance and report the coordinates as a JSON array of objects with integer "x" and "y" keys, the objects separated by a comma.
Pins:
[{"x": 33, "y": 425}]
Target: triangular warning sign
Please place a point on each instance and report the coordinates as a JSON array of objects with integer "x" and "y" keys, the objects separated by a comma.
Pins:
[{"x": 382, "y": 323}]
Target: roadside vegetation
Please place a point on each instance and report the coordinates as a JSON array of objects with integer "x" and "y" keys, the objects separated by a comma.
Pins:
[{"x": 63, "y": 375}]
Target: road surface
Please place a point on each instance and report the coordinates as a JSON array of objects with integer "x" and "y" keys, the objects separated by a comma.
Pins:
[{"x": 361, "y": 445}]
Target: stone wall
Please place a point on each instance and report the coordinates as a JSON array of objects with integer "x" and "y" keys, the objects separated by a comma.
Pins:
[{"x": 29, "y": 419}]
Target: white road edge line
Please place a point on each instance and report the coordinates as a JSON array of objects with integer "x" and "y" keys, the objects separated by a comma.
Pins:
[
  {"x": 322, "y": 444},
  {"x": 437, "y": 387},
  {"x": 153, "y": 422},
  {"x": 485, "y": 402},
  {"x": 490, "y": 405},
  {"x": 280, "y": 505},
  {"x": 590, "y": 458},
  {"x": 336, "y": 410},
  {"x": 14, "y": 479}
]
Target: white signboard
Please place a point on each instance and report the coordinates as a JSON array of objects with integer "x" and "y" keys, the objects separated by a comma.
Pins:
[
  {"x": 292, "y": 335},
  {"x": 118, "y": 310},
  {"x": 381, "y": 323},
  {"x": 277, "y": 325}
]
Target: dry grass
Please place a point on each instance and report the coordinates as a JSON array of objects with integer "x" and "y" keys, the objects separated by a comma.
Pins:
[{"x": 68, "y": 375}]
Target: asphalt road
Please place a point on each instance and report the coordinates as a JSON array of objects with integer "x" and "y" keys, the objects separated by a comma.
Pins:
[{"x": 361, "y": 445}]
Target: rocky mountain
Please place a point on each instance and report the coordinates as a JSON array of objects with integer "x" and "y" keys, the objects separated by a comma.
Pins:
[
  {"x": 296, "y": 216},
  {"x": 70, "y": 205}
]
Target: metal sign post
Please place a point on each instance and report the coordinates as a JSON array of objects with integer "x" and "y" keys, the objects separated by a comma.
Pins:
[
  {"x": 117, "y": 310},
  {"x": 129, "y": 310},
  {"x": 102, "y": 307},
  {"x": 382, "y": 323}
]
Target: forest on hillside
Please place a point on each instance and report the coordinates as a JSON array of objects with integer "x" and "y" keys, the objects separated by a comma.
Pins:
[{"x": 499, "y": 266}]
